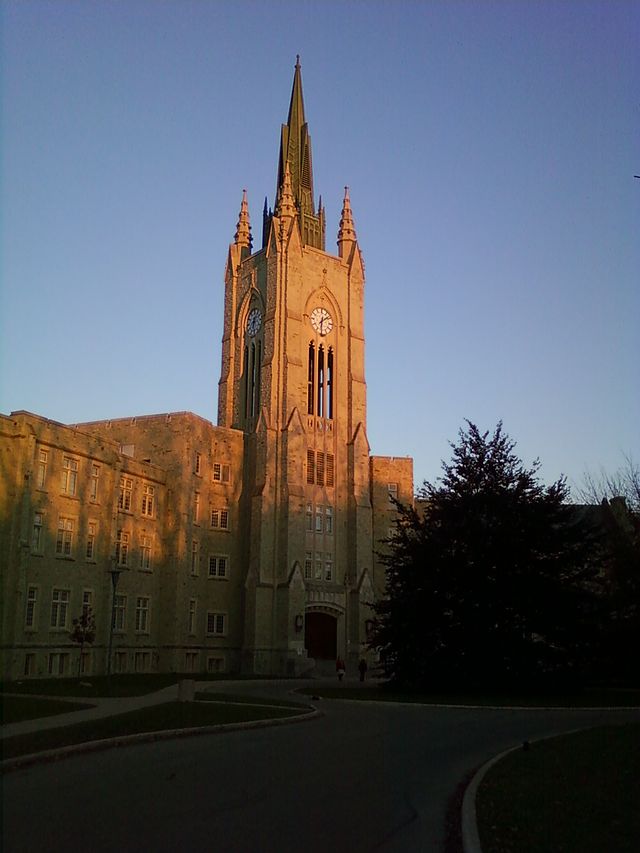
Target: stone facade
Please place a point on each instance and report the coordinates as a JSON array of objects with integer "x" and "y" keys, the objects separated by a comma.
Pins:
[{"x": 250, "y": 545}]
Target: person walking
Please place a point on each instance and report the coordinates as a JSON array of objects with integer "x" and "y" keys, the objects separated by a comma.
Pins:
[
  {"x": 362, "y": 668},
  {"x": 340, "y": 668}
]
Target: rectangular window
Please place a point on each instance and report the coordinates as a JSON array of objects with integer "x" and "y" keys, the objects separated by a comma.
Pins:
[
  {"x": 120, "y": 613},
  {"x": 215, "y": 664},
  {"x": 122, "y": 548},
  {"x": 29, "y": 664},
  {"x": 320, "y": 468},
  {"x": 330, "y": 467},
  {"x": 216, "y": 623},
  {"x": 126, "y": 492},
  {"x": 218, "y": 566},
  {"x": 318, "y": 575},
  {"x": 58, "y": 663},
  {"x": 220, "y": 519},
  {"x": 92, "y": 528},
  {"x": 191, "y": 618},
  {"x": 30, "y": 612},
  {"x": 85, "y": 663},
  {"x": 148, "y": 497},
  {"x": 311, "y": 477},
  {"x": 197, "y": 466},
  {"x": 95, "y": 481},
  {"x": 145, "y": 552},
  {"x": 191, "y": 661},
  {"x": 308, "y": 565},
  {"x": 328, "y": 520},
  {"x": 318, "y": 527},
  {"x": 142, "y": 615},
  {"x": 196, "y": 508},
  {"x": 221, "y": 472},
  {"x": 87, "y": 601},
  {"x": 141, "y": 661},
  {"x": 310, "y": 517},
  {"x": 120, "y": 662},
  {"x": 328, "y": 567},
  {"x": 41, "y": 476},
  {"x": 59, "y": 608},
  {"x": 195, "y": 557},
  {"x": 69, "y": 475},
  {"x": 36, "y": 533},
  {"x": 393, "y": 491},
  {"x": 64, "y": 540}
]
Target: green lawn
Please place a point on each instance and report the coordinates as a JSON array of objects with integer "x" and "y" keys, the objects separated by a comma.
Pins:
[
  {"x": 577, "y": 793},
  {"x": 18, "y": 708},
  {"x": 266, "y": 702},
  {"x": 587, "y": 698},
  {"x": 171, "y": 715}
]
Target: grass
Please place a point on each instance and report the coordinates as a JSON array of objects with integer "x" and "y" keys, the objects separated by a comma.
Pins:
[
  {"x": 18, "y": 708},
  {"x": 156, "y": 718},
  {"x": 249, "y": 700},
  {"x": 577, "y": 794},
  {"x": 588, "y": 698}
]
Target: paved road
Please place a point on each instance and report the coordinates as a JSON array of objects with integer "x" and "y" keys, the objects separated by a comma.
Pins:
[{"x": 365, "y": 777}]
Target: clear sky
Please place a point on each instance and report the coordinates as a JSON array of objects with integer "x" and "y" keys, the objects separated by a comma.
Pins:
[{"x": 489, "y": 148}]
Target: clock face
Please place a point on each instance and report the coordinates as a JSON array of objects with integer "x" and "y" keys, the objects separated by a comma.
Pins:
[
  {"x": 254, "y": 321},
  {"x": 321, "y": 321}
]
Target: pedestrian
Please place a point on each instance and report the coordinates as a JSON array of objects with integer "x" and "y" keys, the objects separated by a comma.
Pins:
[
  {"x": 340, "y": 668},
  {"x": 362, "y": 667}
]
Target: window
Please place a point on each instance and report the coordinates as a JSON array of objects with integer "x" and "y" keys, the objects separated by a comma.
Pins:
[
  {"x": 95, "y": 479},
  {"x": 29, "y": 664},
  {"x": 318, "y": 526},
  {"x": 310, "y": 517},
  {"x": 85, "y": 663},
  {"x": 126, "y": 491},
  {"x": 221, "y": 472},
  {"x": 41, "y": 476},
  {"x": 119, "y": 613},
  {"x": 393, "y": 491},
  {"x": 308, "y": 565},
  {"x": 320, "y": 381},
  {"x": 122, "y": 548},
  {"x": 329, "y": 477},
  {"x": 195, "y": 557},
  {"x": 197, "y": 466},
  {"x": 69, "y": 475},
  {"x": 216, "y": 623},
  {"x": 196, "y": 508},
  {"x": 59, "y": 608},
  {"x": 92, "y": 528},
  {"x": 215, "y": 664},
  {"x": 64, "y": 540},
  {"x": 142, "y": 615},
  {"x": 145, "y": 552},
  {"x": 318, "y": 565},
  {"x": 120, "y": 662},
  {"x": 191, "y": 661},
  {"x": 311, "y": 466},
  {"x": 58, "y": 663},
  {"x": 148, "y": 496},
  {"x": 218, "y": 566},
  {"x": 328, "y": 520},
  {"x": 328, "y": 567},
  {"x": 311, "y": 380},
  {"x": 36, "y": 533},
  {"x": 87, "y": 601},
  {"x": 191, "y": 617},
  {"x": 141, "y": 661},
  {"x": 320, "y": 468},
  {"x": 220, "y": 519},
  {"x": 30, "y": 612}
]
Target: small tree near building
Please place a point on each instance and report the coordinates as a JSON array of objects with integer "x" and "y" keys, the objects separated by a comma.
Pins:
[
  {"x": 83, "y": 632},
  {"x": 491, "y": 581}
]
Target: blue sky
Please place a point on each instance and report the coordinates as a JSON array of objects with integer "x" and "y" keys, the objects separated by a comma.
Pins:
[{"x": 489, "y": 148}]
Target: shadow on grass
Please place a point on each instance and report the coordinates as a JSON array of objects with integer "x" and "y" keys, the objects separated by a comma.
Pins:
[{"x": 15, "y": 709}]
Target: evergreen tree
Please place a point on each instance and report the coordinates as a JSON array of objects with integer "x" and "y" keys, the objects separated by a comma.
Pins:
[{"x": 490, "y": 579}]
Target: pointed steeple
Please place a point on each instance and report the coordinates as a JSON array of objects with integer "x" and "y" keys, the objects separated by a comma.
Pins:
[
  {"x": 243, "y": 236},
  {"x": 346, "y": 230},
  {"x": 286, "y": 204},
  {"x": 295, "y": 150}
]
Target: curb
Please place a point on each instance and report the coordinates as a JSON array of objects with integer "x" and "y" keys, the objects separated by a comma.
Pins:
[
  {"x": 63, "y": 752},
  {"x": 470, "y": 834}
]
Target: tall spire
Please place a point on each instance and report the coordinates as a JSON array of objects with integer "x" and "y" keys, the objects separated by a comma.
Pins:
[
  {"x": 295, "y": 149},
  {"x": 346, "y": 230},
  {"x": 286, "y": 205},
  {"x": 243, "y": 236}
]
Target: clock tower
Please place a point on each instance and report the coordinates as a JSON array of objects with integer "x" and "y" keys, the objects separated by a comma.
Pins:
[{"x": 293, "y": 381}]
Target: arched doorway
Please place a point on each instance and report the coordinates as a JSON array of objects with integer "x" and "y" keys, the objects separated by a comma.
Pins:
[{"x": 320, "y": 635}]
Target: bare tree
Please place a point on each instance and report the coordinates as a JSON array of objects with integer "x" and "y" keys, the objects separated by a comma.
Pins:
[
  {"x": 623, "y": 483},
  {"x": 83, "y": 632}
]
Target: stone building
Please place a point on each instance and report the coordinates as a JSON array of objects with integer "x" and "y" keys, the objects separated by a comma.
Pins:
[{"x": 247, "y": 546}]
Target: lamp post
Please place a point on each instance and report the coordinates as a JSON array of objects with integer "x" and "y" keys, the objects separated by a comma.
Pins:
[{"x": 114, "y": 571}]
